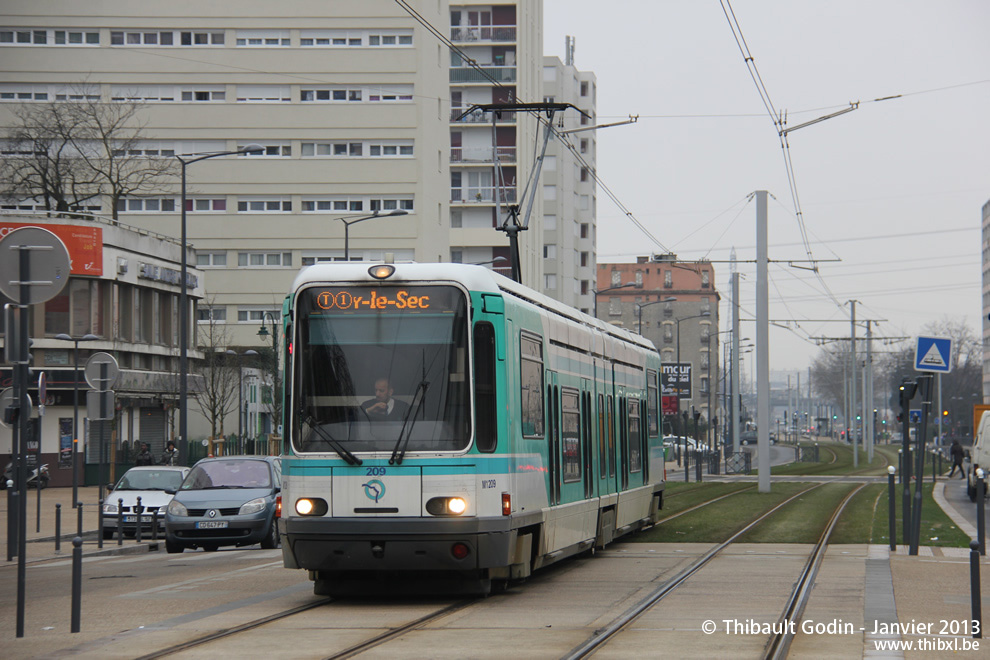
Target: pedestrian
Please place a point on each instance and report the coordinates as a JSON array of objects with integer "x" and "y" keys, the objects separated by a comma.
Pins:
[
  {"x": 171, "y": 455},
  {"x": 956, "y": 452},
  {"x": 144, "y": 457}
]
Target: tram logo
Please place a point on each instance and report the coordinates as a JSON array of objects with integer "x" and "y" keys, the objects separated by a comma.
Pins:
[{"x": 374, "y": 490}]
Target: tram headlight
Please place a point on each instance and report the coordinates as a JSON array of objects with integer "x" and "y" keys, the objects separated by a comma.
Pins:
[
  {"x": 382, "y": 272},
  {"x": 446, "y": 506},
  {"x": 311, "y": 506}
]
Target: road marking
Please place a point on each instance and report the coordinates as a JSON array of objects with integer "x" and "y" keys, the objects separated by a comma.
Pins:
[{"x": 189, "y": 584}]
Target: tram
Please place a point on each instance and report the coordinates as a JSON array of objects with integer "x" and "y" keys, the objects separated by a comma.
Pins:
[{"x": 447, "y": 423}]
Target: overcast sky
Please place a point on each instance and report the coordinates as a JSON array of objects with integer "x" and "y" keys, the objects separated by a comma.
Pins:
[{"x": 894, "y": 189}]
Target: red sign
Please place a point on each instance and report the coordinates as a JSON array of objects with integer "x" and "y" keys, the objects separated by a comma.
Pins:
[
  {"x": 669, "y": 404},
  {"x": 84, "y": 242}
]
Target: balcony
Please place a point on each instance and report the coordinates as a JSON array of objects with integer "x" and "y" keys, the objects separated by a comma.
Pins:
[
  {"x": 481, "y": 155},
  {"x": 482, "y": 33},
  {"x": 487, "y": 74},
  {"x": 477, "y": 195},
  {"x": 480, "y": 117}
]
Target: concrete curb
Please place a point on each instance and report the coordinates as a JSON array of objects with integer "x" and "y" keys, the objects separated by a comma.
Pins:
[{"x": 938, "y": 493}]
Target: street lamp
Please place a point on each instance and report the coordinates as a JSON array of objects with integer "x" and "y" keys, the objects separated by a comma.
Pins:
[
  {"x": 639, "y": 311},
  {"x": 240, "y": 392},
  {"x": 263, "y": 333},
  {"x": 611, "y": 288},
  {"x": 186, "y": 160},
  {"x": 348, "y": 223},
  {"x": 75, "y": 406}
]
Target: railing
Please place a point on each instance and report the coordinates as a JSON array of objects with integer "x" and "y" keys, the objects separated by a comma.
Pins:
[
  {"x": 480, "y": 117},
  {"x": 476, "y": 195},
  {"x": 481, "y": 154},
  {"x": 486, "y": 74},
  {"x": 483, "y": 33}
]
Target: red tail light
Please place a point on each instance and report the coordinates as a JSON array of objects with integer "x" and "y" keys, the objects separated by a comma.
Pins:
[
  {"x": 459, "y": 551},
  {"x": 506, "y": 504},
  {"x": 278, "y": 506}
]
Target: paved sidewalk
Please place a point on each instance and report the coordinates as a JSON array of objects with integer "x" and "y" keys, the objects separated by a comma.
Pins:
[{"x": 41, "y": 542}]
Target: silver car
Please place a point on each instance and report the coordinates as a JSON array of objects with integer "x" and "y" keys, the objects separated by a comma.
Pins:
[
  {"x": 150, "y": 483},
  {"x": 226, "y": 501}
]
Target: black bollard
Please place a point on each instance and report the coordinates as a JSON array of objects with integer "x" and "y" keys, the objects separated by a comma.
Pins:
[
  {"x": 154, "y": 526},
  {"x": 974, "y": 588},
  {"x": 99, "y": 527},
  {"x": 76, "y": 580},
  {"x": 687, "y": 473},
  {"x": 120, "y": 521},
  {"x": 981, "y": 498},
  {"x": 58, "y": 528},
  {"x": 891, "y": 509},
  {"x": 79, "y": 514},
  {"x": 933, "y": 467},
  {"x": 138, "y": 510},
  {"x": 697, "y": 467}
]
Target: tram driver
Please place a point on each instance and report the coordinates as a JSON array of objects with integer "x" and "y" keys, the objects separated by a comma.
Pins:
[{"x": 384, "y": 406}]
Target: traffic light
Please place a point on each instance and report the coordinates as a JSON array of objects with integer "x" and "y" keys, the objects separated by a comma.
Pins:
[{"x": 945, "y": 413}]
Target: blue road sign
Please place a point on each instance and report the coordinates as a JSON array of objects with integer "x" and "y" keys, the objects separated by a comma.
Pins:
[
  {"x": 932, "y": 354},
  {"x": 914, "y": 415}
]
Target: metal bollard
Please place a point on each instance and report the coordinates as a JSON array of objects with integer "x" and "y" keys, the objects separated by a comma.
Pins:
[
  {"x": 79, "y": 514},
  {"x": 154, "y": 526},
  {"x": 891, "y": 510},
  {"x": 138, "y": 510},
  {"x": 120, "y": 521},
  {"x": 697, "y": 468},
  {"x": 974, "y": 587},
  {"x": 687, "y": 473},
  {"x": 58, "y": 528},
  {"x": 99, "y": 527},
  {"x": 981, "y": 498},
  {"x": 76, "y": 580}
]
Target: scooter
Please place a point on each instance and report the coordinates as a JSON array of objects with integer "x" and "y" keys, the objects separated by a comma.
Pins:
[{"x": 34, "y": 478}]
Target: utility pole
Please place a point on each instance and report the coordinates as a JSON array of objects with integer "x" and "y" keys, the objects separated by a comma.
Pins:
[
  {"x": 735, "y": 362},
  {"x": 762, "y": 345},
  {"x": 852, "y": 384}
]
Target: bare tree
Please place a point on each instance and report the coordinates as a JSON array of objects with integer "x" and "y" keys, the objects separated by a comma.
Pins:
[
  {"x": 41, "y": 161},
  {"x": 68, "y": 153},
  {"x": 220, "y": 378}
]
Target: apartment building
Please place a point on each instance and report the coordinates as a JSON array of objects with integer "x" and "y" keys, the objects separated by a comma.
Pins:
[
  {"x": 675, "y": 305},
  {"x": 568, "y": 185},
  {"x": 498, "y": 59}
]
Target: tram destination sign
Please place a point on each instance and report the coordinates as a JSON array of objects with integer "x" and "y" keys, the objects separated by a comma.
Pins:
[
  {"x": 675, "y": 380},
  {"x": 385, "y": 300}
]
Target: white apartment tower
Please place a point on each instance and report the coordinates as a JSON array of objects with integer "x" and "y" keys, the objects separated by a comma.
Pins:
[
  {"x": 568, "y": 186},
  {"x": 349, "y": 99},
  {"x": 498, "y": 59}
]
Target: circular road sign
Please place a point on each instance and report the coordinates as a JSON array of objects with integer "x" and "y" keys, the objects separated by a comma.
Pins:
[
  {"x": 48, "y": 266},
  {"x": 94, "y": 368}
]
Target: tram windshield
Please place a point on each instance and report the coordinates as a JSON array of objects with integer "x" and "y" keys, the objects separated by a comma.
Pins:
[{"x": 381, "y": 366}]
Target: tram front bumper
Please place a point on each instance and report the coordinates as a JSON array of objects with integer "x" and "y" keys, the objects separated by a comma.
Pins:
[{"x": 397, "y": 544}]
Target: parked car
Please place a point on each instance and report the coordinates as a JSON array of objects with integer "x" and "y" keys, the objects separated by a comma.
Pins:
[
  {"x": 978, "y": 457},
  {"x": 226, "y": 501},
  {"x": 749, "y": 438},
  {"x": 151, "y": 483}
]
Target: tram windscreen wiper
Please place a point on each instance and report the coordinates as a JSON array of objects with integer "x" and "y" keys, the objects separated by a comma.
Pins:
[
  {"x": 407, "y": 424},
  {"x": 329, "y": 439}
]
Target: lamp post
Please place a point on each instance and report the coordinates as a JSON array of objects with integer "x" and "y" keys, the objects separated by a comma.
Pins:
[
  {"x": 263, "y": 333},
  {"x": 677, "y": 323},
  {"x": 75, "y": 407},
  {"x": 611, "y": 288},
  {"x": 354, "y": 221},
  {"x": 240, "y": 392},
  {"x": 185, "y": 160}
]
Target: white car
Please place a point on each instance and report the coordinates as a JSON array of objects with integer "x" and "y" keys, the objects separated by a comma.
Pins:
[
  {"x": 149, "y": 483},
  {"x": 978, "y": 457}
]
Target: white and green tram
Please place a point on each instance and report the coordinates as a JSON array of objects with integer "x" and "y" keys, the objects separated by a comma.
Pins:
[{"x": 521, "y": 431}]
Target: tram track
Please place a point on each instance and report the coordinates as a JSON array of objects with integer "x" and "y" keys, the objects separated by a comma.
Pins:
[{"x": 777, "y": 645}]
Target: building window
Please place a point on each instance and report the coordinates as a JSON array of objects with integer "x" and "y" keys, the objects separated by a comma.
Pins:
[
  {"x": 217, "y": 205},
  {"x": 584, "y": 174},
  {"x": 203, "y": 94},
  {"x": 146, "y": 205},
  {"x": 584, "y": 145},
  {"x": 549, "y": 282},
  {"x": 264, "y": 259},
  {"x": 705, "y": 279},
  {"x": 584, "y": 88},
  {"x": 19, "y": 93},
  {"x": 668, "y": 279},
  {"x": 263, "y": 94},
  {"x": 584, "y": 259},
  {"x": 668, "y": 333},
  {"x": 390, "y": 204},
  {"x": 639, "y": 278},
  {"x": 272, "y": 150},
  {"x": 211, "y": 314},
  {"x": 208, "y": 259},
  {"x": 616, "y": 278},
  {"x": 256, "y": 315},
  {"x": 142, "y": 38},
  {"x": 201, "y": 38},
  {"x": 549, "y": 251},
  {"x": 262, "y": 38},
  {"x": 378, "y": 94},
  {"x": 550, "y": 222},
  {"x": 615, "y": 306},
  {"x": 274, "y": 205},
  {"x": 48, "y": 37}
]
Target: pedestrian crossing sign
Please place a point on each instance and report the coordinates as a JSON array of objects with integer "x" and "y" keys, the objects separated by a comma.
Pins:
[{"x": 932, "y": 354}]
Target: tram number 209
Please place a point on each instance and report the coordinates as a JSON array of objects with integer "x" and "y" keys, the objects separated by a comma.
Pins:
[
  {"x": 488, "y": 483},
  {"x": 375, "y": 472}
]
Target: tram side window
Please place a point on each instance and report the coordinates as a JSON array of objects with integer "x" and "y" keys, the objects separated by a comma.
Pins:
[
  {"x": 531, "y": 384},
  {"x": 635, "y": 444},
  {"x": 571, "y": 436},
  {"x": 486, "y": 434},
  {"x": 611, "y": 437},
  {"x": 602, "y": 462},
  {"x": 652, "y": 418}
]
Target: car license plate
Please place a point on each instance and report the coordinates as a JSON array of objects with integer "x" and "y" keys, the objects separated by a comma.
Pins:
[
  {"x": 211, "y": 524},
  {"x": 130, "y": 519}
]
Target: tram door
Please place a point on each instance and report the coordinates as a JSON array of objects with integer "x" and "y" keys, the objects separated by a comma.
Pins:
[{"x": 553, "y": 438}]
